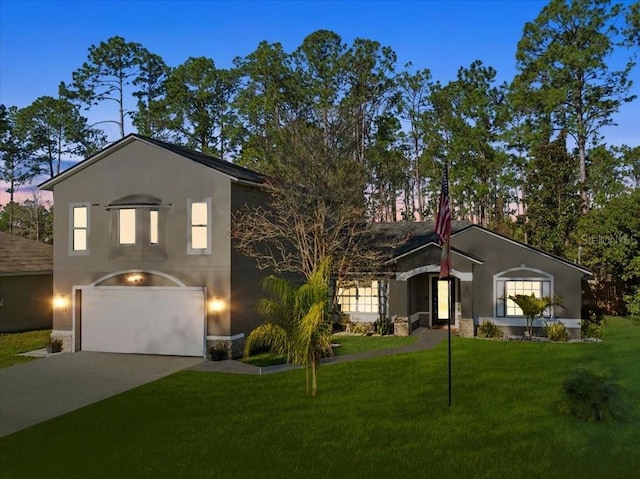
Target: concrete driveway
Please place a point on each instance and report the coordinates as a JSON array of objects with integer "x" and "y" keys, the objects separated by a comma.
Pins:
[{"x": 34, "y": 392}]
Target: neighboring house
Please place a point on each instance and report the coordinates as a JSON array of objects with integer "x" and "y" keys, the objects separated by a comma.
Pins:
[
  {"x": 26, "y": 284},
  {"x": 486, "y": 268},
  {"x": 143, "y": 261}
]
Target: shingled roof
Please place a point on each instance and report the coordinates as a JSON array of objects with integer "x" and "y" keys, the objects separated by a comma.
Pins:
[
  {"x": 409, "y": 235},
  {"x": 24, "y": 256}
]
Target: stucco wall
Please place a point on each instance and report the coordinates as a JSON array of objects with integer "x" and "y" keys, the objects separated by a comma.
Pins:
[
  {"x": 25, "y": 302},
  {"x": 140, "y": 168},
  {"x": 398, "y": 298},
  {"x": 500, "y": 255},
  {"x": 246, "y": 278}
]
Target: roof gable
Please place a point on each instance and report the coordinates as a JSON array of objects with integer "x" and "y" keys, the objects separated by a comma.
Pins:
[
  {"x": 410, "y": 236},
  {"x": 422, "y": 235},
  {"x": 234, "y": 172},
  {"x": 546, "y": 254}
]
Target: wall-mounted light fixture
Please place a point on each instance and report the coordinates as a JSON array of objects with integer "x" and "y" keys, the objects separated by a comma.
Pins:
[
  {"x": 60, "y": 302},
  {"x": 216, "y": 305}
]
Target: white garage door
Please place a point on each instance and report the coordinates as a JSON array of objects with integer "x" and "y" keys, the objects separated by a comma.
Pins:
[{"x": 143, "y": 320}]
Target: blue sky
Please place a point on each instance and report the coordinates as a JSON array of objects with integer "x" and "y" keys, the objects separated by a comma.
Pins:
[{"x": 43, "y": 42}]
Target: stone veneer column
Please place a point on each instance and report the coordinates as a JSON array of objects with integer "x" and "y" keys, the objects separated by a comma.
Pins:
[{"x": 466, "y": 328}]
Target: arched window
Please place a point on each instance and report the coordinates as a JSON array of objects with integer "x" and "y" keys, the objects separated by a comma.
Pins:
[
  {"x": 137, "y": 227},
  {"x": 521, "y": 280}
]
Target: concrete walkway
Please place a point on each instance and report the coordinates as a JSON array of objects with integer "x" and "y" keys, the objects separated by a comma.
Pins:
[
  {"x": 427, "y": 338},
  {"x": 34, "y": 392}
]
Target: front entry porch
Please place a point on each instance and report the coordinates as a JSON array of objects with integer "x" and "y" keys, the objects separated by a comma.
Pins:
[{"x": 430, "y": 302}]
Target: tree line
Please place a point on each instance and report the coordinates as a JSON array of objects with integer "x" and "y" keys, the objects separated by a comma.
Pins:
[{"x": 526, "y": 157}]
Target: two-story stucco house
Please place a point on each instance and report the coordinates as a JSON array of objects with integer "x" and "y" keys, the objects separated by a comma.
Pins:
[{"x": 143, "y": 261}]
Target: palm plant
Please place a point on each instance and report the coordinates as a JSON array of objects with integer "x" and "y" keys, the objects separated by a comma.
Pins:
[
  {"x": 296, "y": 321},
  {"x": 533, "y": 307},
  {"x": 277, "y": 332}
]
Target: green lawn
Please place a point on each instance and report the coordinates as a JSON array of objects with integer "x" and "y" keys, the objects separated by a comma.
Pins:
[
  {"x": 348, "y": 345},
  {"x": 357, "y": 344},
  {"x": 265, "y": 359},
  {"x": 380, "y": 418},
  {"x": 15, "y": 343}
]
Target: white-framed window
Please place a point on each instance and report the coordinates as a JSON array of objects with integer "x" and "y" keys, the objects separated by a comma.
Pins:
[
  {"x": 153, "y": 227},
  {"x": 79, "y": 228},
  {"x": 199, "y": 228},
  {"x": 513, "y": 287},
  {"x": 127, "y": 226},
  {"x": 359, "y": 297}
]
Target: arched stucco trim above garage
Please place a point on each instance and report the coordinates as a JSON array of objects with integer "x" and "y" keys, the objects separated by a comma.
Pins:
[{"x": 131, "y": 272}]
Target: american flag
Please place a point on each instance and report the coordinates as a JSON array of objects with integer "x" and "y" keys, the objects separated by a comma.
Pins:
[{"x": 443, "y": 225}]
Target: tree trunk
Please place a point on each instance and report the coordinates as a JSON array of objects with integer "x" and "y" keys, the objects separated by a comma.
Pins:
[
  {"x": 314, "y": 379},
  {"x": 59, "y": 156},
  {"x": 583, "y": 176},
  {"x": 121, "y": 103},
  {"x": 12, "y": 205}
]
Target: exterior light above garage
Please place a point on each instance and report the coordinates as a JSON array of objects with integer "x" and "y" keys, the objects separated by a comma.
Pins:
[{"x": 135, "y": 278}]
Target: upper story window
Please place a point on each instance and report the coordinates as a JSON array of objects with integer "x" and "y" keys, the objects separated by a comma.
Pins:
[
  {"x": 127, "y": 226},
  {"x": 199, "y": 234},
  {"x": 153, "y": 227},
  {"x": 138, "y": 227},
  {"x": 79, "y": 228}
]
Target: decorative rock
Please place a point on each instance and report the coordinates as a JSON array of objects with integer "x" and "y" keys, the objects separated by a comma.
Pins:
[
  {"x": 401, "y": 326},
  {"x": 591, "y": 340},
  {"x": 466, "y": 329}
]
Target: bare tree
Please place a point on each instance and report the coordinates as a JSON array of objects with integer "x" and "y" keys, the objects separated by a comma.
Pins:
[{"x": 315, "y": 208}]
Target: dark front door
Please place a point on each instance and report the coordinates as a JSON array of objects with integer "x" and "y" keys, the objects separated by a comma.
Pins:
[{"x": 442, "y": 300}]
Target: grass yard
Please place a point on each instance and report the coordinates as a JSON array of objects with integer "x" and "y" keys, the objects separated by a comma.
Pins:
[
  {"x": 357, "y": 344},
  {"x": 380, "y": 418},
  {"x": 15, "y": 343},
  {"x": 265, "y": 359},
  {"x": 348, "y": 345}
]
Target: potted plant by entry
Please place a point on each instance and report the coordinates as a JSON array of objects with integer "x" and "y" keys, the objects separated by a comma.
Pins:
[
  {"x": 219, "y": 352},
  {"x": 55, "y": 345}
]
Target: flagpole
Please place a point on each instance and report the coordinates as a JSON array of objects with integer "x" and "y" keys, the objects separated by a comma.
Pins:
[
  {"x": 449, "y": 332},
  {"x": 443, "y": 230},
  {"x": 451, "y": 289}
]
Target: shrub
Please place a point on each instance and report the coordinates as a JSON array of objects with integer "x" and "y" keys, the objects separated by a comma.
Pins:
[
  {"x": 383, "y": 326},
  {"x": 633, "y": 303},
  {"x": 341, "y": 322},
  {"x": 489, "y": 330},
  {"x": 592, "y": 397},
  {"x": 593, "y": 327},
  {"x": 556, "y": 331},
  {"x": 596, "y": 330},
  {"x": 361, "y": 328}
]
